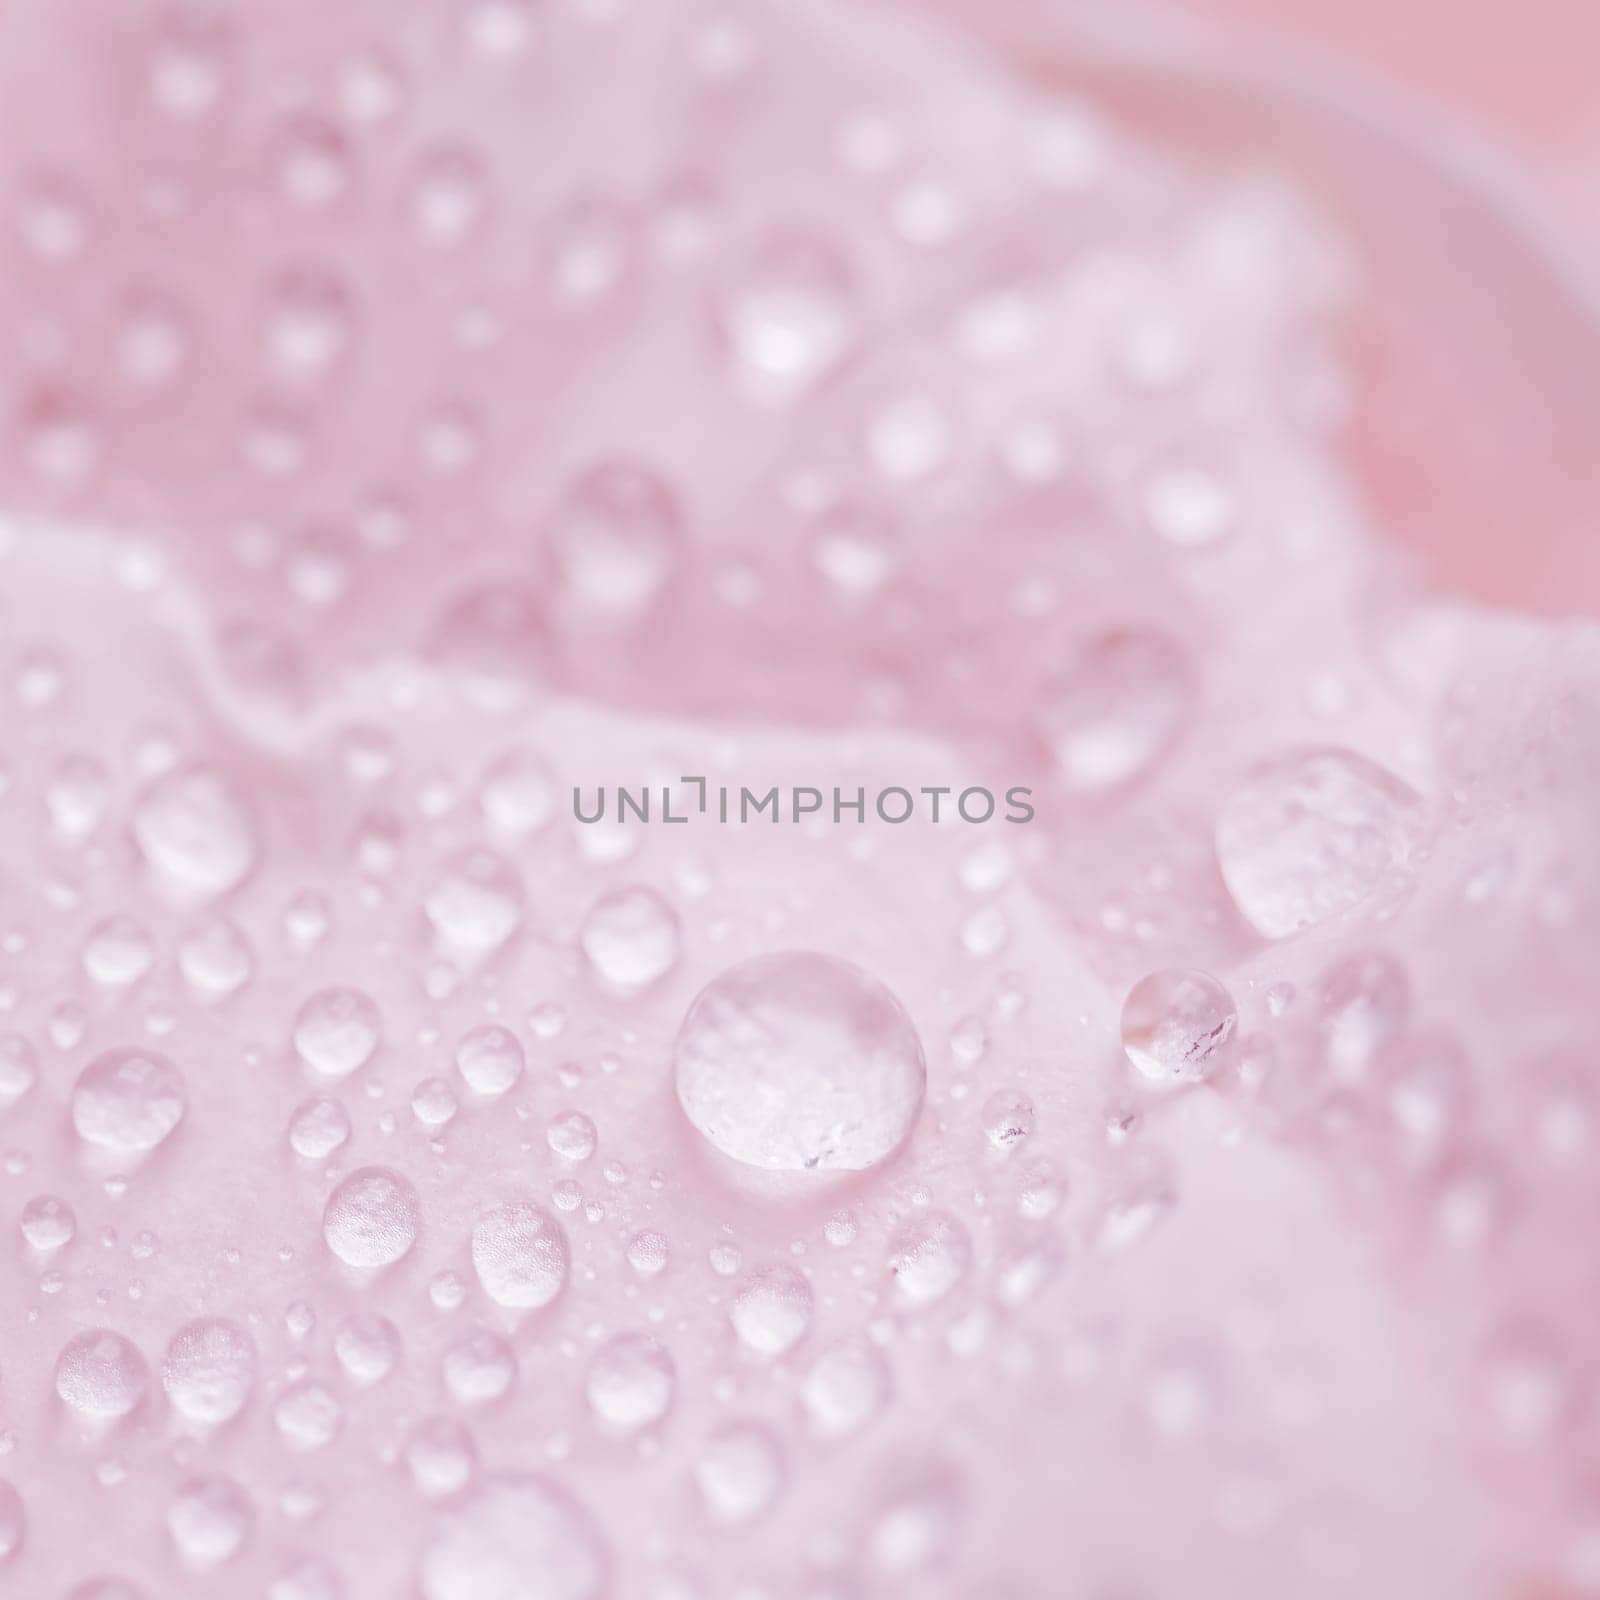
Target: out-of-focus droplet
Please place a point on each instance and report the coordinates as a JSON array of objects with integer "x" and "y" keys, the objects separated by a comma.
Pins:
[
  {"x": 929, "y": 1257},
  {"x": 475, "y": 901},
  {"x": 196, "y": 831},
  {"x": 799, "y": 1061},
  {"x": 615, "y": 538},
  {"x": 847, "y": 1387},
  {"x": 1007, "y": 1118},
  {"x": 1311, "y": 834},
  {"x": 740, "y": 1472},
  {"x": 337, "y": 1031},
  {"x": 490, "y": 1059},
  {"x": 631, "y": 1381},
  {"x": 1176, "y": 1024},
  {"x": 631, "y": 938},
  {"x": 209, "y": 1521},
  {"x": 515, "y": 1536},
  {"x": 319, "y": 1128},
  {"x": 790, "y": 316},
  {"x": 1117, "y": 709}
]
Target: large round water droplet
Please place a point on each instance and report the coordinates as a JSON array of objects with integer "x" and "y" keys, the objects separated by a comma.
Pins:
[
  {"x": 128, "y": 1100},
  {"x": 209, "y": 1371},
  {"x": 1176, "y": 1024},
  {"x": 209, "y": 1522},
  {"x": 520, "y": 1255},
  {"x": 490, "y": 1059},
  {"x": 101, "y": 1375},
  {"x": 740, "y": 1471},
  {"x": 799, "y": 1061},
  {"x": 1311, "y": 834},
  {"x": 336, "y": 1031},
  {"x": 196, "y": 831},
  {"x": 517, "y": 1538},
  {"x": 372, "y": 1218}
]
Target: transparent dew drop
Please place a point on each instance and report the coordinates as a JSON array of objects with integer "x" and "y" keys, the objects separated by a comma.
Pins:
[
  {"x": 631, "y": 939},
  {"x": 187, "y": 68},
  {"x": 515, "y": 1537},
  {"x": 106, "y": 1589},
  {"x": 101, "y": 1375},
  {"x": 1007, "y": 1118},
  {"x": 1312, "y": 834},
  {"x": 572, "y": 1136},
  {"x": 48, "y": 1223},
  {"x": 475, "y": 902},
  {"x": 154, "y": 335},
  {"x": 740, "y": 1473},
  {"x": 307, "y": 1416},
  {"x": 216, "y": 959},
  {"x": 1190, "y": 505},
  {"x": 648, "y": 1253},
  {"x": 847, "y": 1387},
  {"x": 319, "y": 1128},
  {"x": 631, "y": 1381},
  {"x": 312, "y": 162},
  {"x": 1176, "y": 1025},
  {"x": 519, "y": 1253},
  {"x": 196, "y": 831},
  {"x": 498, "y": 28},
  {"x": 306, "y": 1577},
  {"x": 615, "y": 538},
  {"x": 1366, "y": 1001},
  {"x": 53, "y": 218},
  {"x": 1426, "y": 1087},
  {"x": 799, "y": 1061},
  {"x": 309, "y": 322},
  {"x": 19, "y": 1068},
  {"x": 441, "y": 1457},
  {"x": 434, "y": 1103},
  {"x": 856, "y": 552},
  {"x": 368, "y": 1347},
  {"x": 118, "y": 952},
  {"x": 449, "y": 197},
  {"x": 13, "y": 1521},
  {"x": 61, "y": 436},
  {"x": 909, "y": 438},
  {"x": 929, "y": 1257},
  {"x": 494, "y": 639},
  {"x": 209, "y": 1521},
  {"x": 372, "y": 1219},
  {"x": 519, "y": 794},
  {"x": 790, "y": 317},
  {"x": 915, "y": 1525},
  {"x": 490, "y": 1059},
  {"x": 337, "y": 1031},
  {"x": 128, "y": 1101},
  {"x": 1117, "y": 709},
  {"x": 590, "y": 239},
  {"x": 209, "y": 1371},
  {"x": 77, "y": 795},
  {"x": 772, "y": 1310},
  {"x": 480, "y": 1370}
]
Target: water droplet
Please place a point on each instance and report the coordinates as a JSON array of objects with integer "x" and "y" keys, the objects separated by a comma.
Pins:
[
  {"x": 791, "y": 317},
  {"x": 740, "y": 1472},
  {"x": 118, "y": 951},
  {"x": 368, "y": 1348},
  {"x": 648, "y": 1253},
  {"x": 336, "y": 1031},
  {"x": 520, "y": 1255},
  {"x": 449, "y": 197},
  {"x": 1311, "y": 834},
  {"x": 799, "y": 1061},
  {"x": 101, "y": 1375},
  {"x": 1007, "y": 1118},
  {"x": 13, "y": 1521},
  {"x": 490, "y": 1059},
  {"x": 209, "y": 1371},
  {"x": 615, "y": 538},
  {"x": 772, "y": 1310},
  {"x": 631, "y": 938},
  {"x": 209, "y": 1522},
  {"x": 929, "y": 1257},
  {"x": 307, "y": 1416},
  {"x": 480, "y": 1370},
  {"x": 319, "y": 1128},
  {"x": 48, "y": 1223},
  {"x": 196, "y": 831},
  {"x": 19, "y": 1068},
  {"x": 572, "y": 1136},
  {"x": 517, "y": 1536},
  {"x": 519, "y": 794},
  {"x": 1117, "y": 710},
  {"x": 216, "y": 959},
  {"x": 631, "y": 1381},
  {"x": 372, "y": 1218},
  {"x": 1366, "y": 999},
  {"x": 128, "y": 1100},
  {"x": 1175, "y": 1025},
  {"x": 846, "y": 1388},
  {"x": 475, "y": 902},
  {"x": 441, "y": 1457}
]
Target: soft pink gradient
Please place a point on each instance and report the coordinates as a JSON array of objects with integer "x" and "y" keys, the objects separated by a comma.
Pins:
[{"x": 417, "y": 411}]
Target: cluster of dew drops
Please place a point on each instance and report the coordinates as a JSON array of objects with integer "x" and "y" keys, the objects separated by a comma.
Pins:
[{"x": 797, "y": 1066}]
